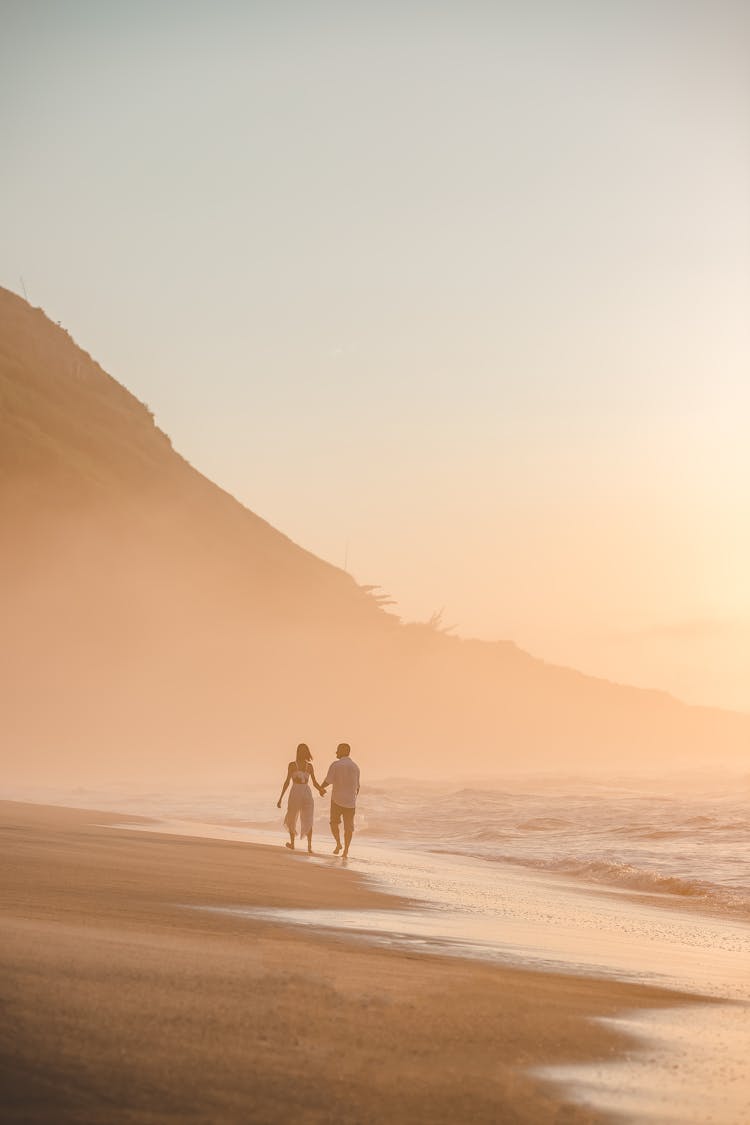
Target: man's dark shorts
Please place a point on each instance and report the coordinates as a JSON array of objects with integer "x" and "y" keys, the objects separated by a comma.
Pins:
[{"x": 339, "y": 811}]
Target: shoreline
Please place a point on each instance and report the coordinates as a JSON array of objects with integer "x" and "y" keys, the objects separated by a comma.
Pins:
[
  {"x": 626, "y": 845},
  {"x": 451, "y": 901},
  {"x": 117, "y": 995},
  {"x": 261, "y": 835}
]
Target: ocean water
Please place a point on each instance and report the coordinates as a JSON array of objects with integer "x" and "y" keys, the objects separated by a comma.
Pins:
[{"x": 686, "y": 838}]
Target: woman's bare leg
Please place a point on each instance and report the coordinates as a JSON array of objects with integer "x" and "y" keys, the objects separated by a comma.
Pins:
[{"x": 291, "y": 839}]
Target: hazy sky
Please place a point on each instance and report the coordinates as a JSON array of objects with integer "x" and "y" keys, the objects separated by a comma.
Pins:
[{"x": 463, "y": 286}]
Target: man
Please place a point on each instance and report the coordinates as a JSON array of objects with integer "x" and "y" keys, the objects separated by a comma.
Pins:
[{"x": 343, "y": 775}]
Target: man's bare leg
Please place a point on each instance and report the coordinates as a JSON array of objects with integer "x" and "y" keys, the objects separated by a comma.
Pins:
[
  {"x": 348, "y": 833},
  {"x": 336, "y": 836},
  {"x": 309, "y": 842}
]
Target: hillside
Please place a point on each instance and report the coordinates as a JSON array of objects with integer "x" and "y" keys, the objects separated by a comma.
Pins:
[{"x": 153, "y": 626}]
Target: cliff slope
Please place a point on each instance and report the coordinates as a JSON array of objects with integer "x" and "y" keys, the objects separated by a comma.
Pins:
[{"x": 153, "y": 626}]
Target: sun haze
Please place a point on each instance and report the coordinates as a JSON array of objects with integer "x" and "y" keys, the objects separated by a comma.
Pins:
[{"x": 454, "y": 295}]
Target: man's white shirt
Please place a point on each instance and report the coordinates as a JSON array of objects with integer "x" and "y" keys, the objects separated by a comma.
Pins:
[{"x": 343, "y": 775}]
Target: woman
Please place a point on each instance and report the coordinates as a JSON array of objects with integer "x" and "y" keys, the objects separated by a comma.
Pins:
[{"x": 300, "y": 802}]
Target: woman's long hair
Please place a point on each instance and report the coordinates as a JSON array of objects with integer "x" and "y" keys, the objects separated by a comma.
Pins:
[{"x": 303, "y": 755}]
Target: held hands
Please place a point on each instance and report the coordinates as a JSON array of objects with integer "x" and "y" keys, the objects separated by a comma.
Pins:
[{"x": 322, "y": 790}]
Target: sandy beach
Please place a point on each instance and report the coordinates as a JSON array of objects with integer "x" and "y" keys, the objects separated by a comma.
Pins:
[{"x": 122, "y": 1003}]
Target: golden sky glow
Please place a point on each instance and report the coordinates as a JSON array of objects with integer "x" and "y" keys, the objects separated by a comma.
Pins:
[{"x": 457, "y": 295}]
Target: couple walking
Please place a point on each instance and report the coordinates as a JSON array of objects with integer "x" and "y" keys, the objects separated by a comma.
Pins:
[{"x": 343, "y": 775}]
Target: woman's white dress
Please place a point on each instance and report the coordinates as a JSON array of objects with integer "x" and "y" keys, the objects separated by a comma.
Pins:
[{"x": 300, "y": 805}]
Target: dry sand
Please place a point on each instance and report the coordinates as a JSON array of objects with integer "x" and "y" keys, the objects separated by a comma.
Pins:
[{"x": 121, "y": 1005}]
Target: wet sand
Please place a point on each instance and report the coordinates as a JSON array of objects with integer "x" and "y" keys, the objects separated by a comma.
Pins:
[{"x": 121, "y": 1004}]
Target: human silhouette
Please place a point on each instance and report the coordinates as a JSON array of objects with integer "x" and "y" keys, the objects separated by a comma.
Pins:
[
  {"x": 343, "y": 775},
  {"x": 300, "y": 805}
]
